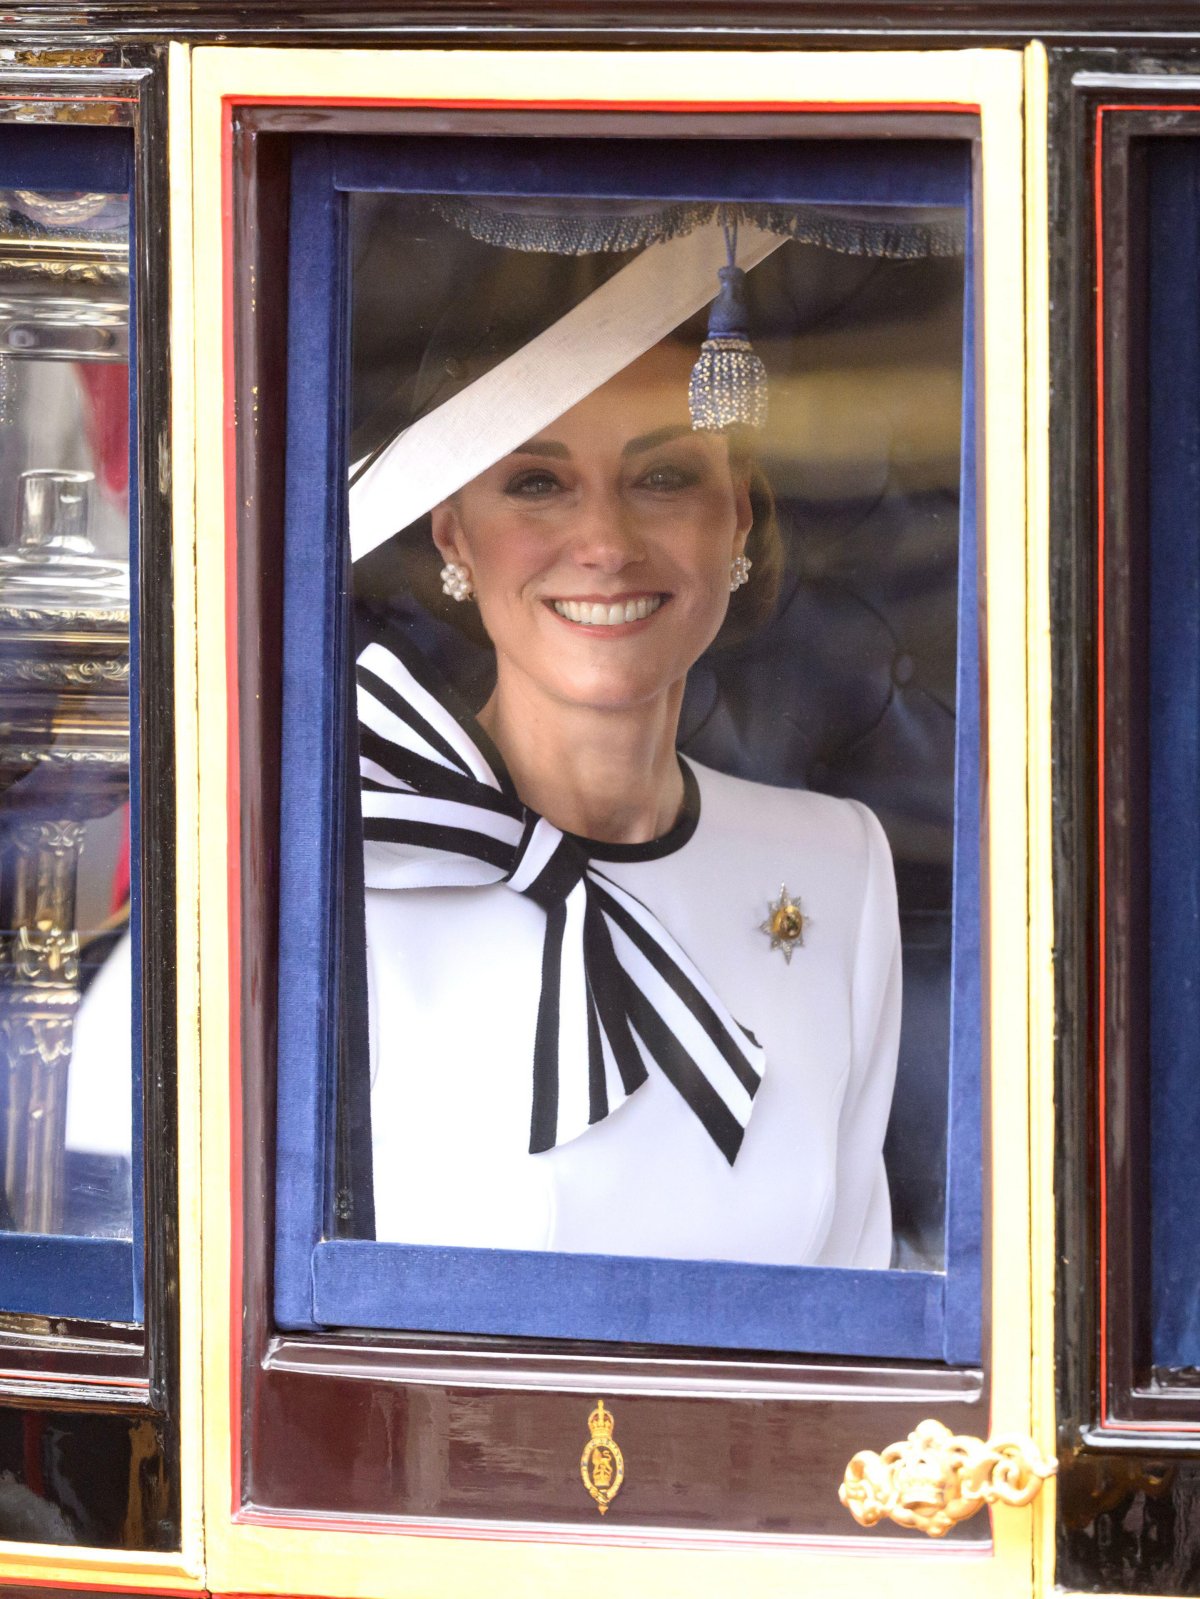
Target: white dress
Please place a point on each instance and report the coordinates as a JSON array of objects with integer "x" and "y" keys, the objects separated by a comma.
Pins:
[
  {"x": 454, "y": 977},
  {"x": 99, "y": 1082}
]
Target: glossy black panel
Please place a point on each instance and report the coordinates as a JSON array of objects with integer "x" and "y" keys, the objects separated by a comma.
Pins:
[
  {"x": 1129, "y": 1524},
  {"x": 661, "y": 23},
  {"x": 1129, "y": 1490},
  {"x": 84, "y": 1479}
]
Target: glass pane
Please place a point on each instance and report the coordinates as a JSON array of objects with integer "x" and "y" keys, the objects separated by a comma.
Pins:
[
  {"x": 65, "y": 1002},
  {"x": 825, "y": 665}
]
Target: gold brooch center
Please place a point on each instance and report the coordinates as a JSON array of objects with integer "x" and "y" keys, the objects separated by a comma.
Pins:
[{"x": 785, "y": 924}]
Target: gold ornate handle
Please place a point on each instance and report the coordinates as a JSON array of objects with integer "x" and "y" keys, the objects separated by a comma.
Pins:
[{"x": 935, "y": 1479}]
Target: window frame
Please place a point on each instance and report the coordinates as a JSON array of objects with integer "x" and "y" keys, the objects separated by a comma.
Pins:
[
  {"x": 239, "y": 97},
  {"x": 1127, "y": 1465},
  {"x": 1133, "y": 1397},
  {"x": 323, "y": 1281},
  {"x": 121, "y": 1383},
  {"x": 73, "y": 1275}
]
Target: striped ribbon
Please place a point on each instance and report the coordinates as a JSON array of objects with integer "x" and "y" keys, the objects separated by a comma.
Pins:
[{"x": 617, "y": 990}]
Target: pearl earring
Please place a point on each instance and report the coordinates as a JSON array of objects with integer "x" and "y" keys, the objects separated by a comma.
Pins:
[
  {"x": 456, "y": 581},
  {"x": 739, "y": 571}
]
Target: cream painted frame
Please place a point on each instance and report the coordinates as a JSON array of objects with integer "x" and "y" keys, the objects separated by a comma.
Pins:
[
  {"x": 1042, "y": 1108},
  {"x": 246, "y": 1556}
]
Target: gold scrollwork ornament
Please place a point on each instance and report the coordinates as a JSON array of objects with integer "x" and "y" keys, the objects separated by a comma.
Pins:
[
  {"x": 602, "y": 1465},
  {"x": 47, "y": 955},
  {"x": 935, "y": 1479}
]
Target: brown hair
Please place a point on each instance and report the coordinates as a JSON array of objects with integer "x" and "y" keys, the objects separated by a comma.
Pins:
[{"x": 753, "y": 605}]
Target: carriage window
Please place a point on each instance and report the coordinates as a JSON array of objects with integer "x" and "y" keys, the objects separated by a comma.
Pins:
[
  {"x": 67, "y": 1092},
  {"x": 632, "y": 802}
]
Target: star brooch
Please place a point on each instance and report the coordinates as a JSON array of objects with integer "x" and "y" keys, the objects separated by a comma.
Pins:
[{"x": 785, "y": 924}]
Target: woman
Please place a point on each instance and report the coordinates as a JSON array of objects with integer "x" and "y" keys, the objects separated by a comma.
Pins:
[{"x": 602, "y": 554}]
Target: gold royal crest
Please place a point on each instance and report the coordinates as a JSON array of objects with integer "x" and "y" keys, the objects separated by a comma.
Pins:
[{"x": 602, "y": 1465}]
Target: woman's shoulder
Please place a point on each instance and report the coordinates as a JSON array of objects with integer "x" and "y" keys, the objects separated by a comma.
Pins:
[
  {"x": 788, "y": 815},
  {"x": 830, "y": 852}
]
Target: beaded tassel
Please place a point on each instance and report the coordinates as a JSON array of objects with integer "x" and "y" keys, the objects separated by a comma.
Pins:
[{"x": 728, "y": 385}]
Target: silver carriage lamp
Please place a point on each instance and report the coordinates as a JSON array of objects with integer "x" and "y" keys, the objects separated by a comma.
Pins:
[{"x": 64, "y": 759}]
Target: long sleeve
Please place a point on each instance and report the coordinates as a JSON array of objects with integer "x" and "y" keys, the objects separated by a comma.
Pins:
[{"x": 861, "y": 1230}]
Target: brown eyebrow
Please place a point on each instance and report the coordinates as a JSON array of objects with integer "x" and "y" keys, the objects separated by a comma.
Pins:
[
  {"x": 543, "y": 447},
  {"x": 651, "y": 441},
  {"x": 638, "y": 446}
]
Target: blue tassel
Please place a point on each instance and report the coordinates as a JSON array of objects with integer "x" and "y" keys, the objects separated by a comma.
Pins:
[{"x": 728, "y": 385}]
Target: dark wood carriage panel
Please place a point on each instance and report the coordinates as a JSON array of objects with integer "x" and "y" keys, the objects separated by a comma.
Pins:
[
  {"x": 103, "y": 1398},
  {"x": 1129, "y": 1482},
  {"x": 1110, "y": 1076},
  {"x": 651, "y": 24}
]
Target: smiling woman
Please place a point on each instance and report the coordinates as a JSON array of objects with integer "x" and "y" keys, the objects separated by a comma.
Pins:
[
  {"x": 642, "y": 1069},
  {"x": 601, "y": 555}
]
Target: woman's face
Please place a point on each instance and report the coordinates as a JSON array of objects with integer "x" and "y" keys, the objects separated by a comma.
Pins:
[{"x": 600, "y": 550}]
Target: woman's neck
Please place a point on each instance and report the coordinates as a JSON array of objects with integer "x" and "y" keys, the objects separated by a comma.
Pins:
[{"x": 611, "y": 775}]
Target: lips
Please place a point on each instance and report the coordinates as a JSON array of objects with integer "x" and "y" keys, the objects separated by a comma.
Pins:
[{"x": 616, "y": 613}]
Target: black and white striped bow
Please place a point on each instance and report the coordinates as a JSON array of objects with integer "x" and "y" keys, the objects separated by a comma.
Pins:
[{"x": 616, "y": 987}]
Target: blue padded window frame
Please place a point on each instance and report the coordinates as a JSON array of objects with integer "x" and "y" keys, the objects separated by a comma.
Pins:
[
  {"x": 85, "y": 1279},
  {"x": 322, "y": 1282},
  {"x": 963, "y": 1334},
  {"x": 90, "y": 1279}
]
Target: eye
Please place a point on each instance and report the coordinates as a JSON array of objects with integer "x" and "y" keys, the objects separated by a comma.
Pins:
[
  {"x": 668, "y": 477},
  {"x": 535, "y": 483}
]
